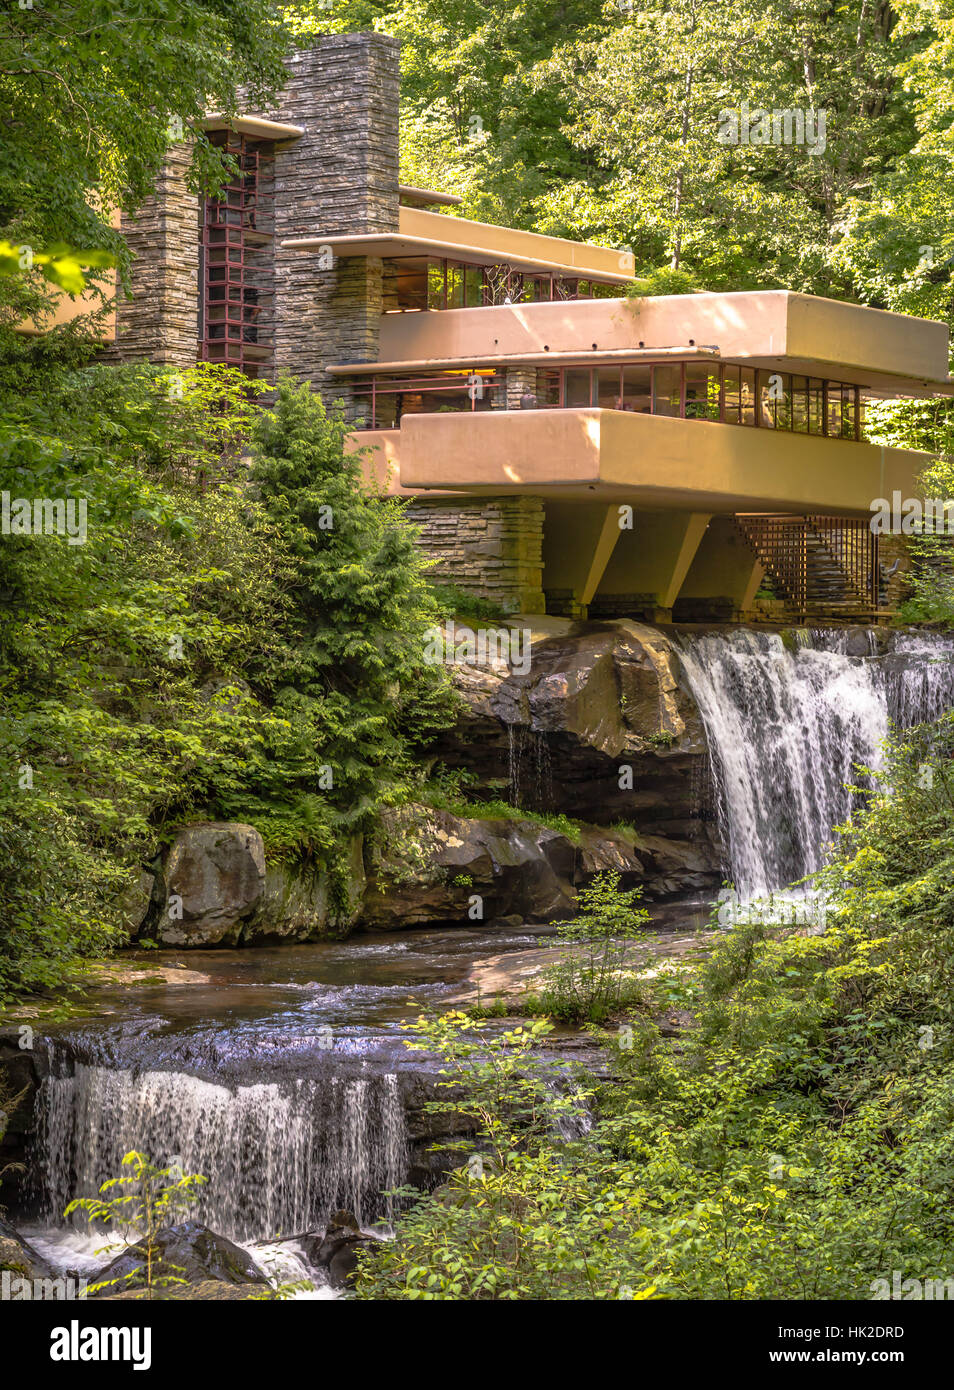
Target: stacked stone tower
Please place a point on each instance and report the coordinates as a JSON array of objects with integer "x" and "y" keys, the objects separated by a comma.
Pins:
[{"x": 339, "y": 176}]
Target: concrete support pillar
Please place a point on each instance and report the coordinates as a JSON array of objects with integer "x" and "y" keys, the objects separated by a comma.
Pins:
[
  {"x": 578, "y": 540},
  {"x": 723, "y": 579},
  {"x": 649, "y": 564}
]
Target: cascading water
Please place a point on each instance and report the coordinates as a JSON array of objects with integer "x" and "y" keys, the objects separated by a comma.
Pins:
[
  {"x": 788, "y": 727},
  {"x": 279, "y": 1156}
]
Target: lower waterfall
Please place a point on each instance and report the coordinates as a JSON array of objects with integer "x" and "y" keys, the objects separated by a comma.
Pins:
[
  {"x": 788, "y": 727},
  {"x": 279, "y": 1156}
]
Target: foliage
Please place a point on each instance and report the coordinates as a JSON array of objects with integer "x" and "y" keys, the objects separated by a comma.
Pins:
[
  {"x": 455, "y": 602},
  {"x": 928, "y": 426},
  {"x": 589, "y": 982},
  {"x": 148, "y": 1199},
  {"x": 599, "y": 119},
  {"x": 202, "y": 655},
  {"x": 92, "y": 94},
  {"x": 349, "y": 678},
  {"x": 793, "y": 1143}
]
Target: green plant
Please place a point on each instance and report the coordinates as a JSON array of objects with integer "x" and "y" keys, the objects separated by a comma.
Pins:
[
  {"x": 664, "y": 738},
  {"x": 454, "y": 602},
  {"x": 149, "y": 1198},
  {"x": 794, "y": 1141},
  {"x": 589, "y": 982}
]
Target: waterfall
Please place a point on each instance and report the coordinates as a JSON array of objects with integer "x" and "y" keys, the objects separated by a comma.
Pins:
[
  {"x": 787, "y": 727},
  {"x": 539, "y": 787},
  {"x": 279, "y": 1156}
]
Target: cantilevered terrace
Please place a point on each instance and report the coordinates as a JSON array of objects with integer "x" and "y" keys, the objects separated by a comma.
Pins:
[{"x": 696, "y": 411}]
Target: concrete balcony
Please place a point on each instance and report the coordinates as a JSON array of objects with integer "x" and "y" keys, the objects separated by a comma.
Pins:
[
  {"x": 676, "y": 543},
  {"x": 649, "y": 461}
]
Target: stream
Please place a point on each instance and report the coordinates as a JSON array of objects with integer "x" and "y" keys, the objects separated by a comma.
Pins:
[{"x": 280, "y": 1073}]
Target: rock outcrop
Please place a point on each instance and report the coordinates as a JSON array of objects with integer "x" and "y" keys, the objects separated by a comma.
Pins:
[
  {"x": 599, "y": 728},
  {"x": 189, "y": 1252},
  {"x": 18, "y": 1257},
  {"x": 595, "y": 726},
  {"x": 467, "y": 870},
  {"x": 214, "y": 888}
]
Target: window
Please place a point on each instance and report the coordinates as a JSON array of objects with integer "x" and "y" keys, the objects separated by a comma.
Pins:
[
  {"x": 732, "y": 395},
  {"x": 799, "y": 405},
  {"x": 667, "y": 389},
  {"x": 637, "y": 389},
  {"x": 702, "y": 391},
  {"x": 609, "y": 394},
  {"x": 576, "y": 387}
]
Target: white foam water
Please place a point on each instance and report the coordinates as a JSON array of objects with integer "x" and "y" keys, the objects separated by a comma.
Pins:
[
  {"x": 279, "y": 1157},
  {"x": 789, "y": 726}
]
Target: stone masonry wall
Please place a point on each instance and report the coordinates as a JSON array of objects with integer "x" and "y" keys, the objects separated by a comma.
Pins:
[
  {"x": 489, "y": 546},
  {"x": 161, "y": 322},
  {"x": 341, "y": 177}
]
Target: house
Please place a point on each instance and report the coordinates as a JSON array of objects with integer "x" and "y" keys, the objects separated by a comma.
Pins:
[{"x": 565, "y": 447}]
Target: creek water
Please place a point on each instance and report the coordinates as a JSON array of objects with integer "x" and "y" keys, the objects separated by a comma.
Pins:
[{"x": 282, "y": 1075}]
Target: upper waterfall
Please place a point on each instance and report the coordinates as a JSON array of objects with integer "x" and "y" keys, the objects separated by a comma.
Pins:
[{"x": 788, "y": 727}]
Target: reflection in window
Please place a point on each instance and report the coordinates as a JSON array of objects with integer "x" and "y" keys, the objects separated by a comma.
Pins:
[
  {"x": 800, "y": 404},
  {"x": 576, "y": 388},
  {"x": 667, "y": 389},
  {"x": 697, "y": 390},
  {"x": 637, "y": 389},
  {"x": 702, "y": 392},
  {"x": 732, "y": 395},
  {"x": 608, "y": 397}
]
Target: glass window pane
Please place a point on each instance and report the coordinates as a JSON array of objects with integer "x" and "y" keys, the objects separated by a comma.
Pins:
[
  {"x": 702, "y": 391},
  {"x": 732, "y": 387},
  {"x": 833, "y": 418},
  {"x": 435, "y": 284},
  {"x": 636, "y": 389},
  {"x": 767, "y": 395},
  {"x": 455, "y": 286},
  {"x": 609, "y": 397},
  {"x": 577, "y": 387},
  {"x": 748, "y": 395},
  {"x": 800, "y": 404},
  {"x": 473, "y": 286},
  {"x": 548, "y": 389},
  {"x": 815, "y": 406},
  {"x": 667, "y": 388}
]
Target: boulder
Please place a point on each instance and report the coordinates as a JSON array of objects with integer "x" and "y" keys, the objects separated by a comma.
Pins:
[
  {"x": 210, "y": 885},
  {"x": 335, "y": 1251},
  {"x": 19, "y": 1257},
  {"x": 188, "y": 1251},
  {"x": 436, "y": 867}
]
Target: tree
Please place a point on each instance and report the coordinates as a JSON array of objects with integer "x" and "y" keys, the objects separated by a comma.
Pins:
[
  {"x": 351, "y": 678},
  {"x": 92, "y": 92}
]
